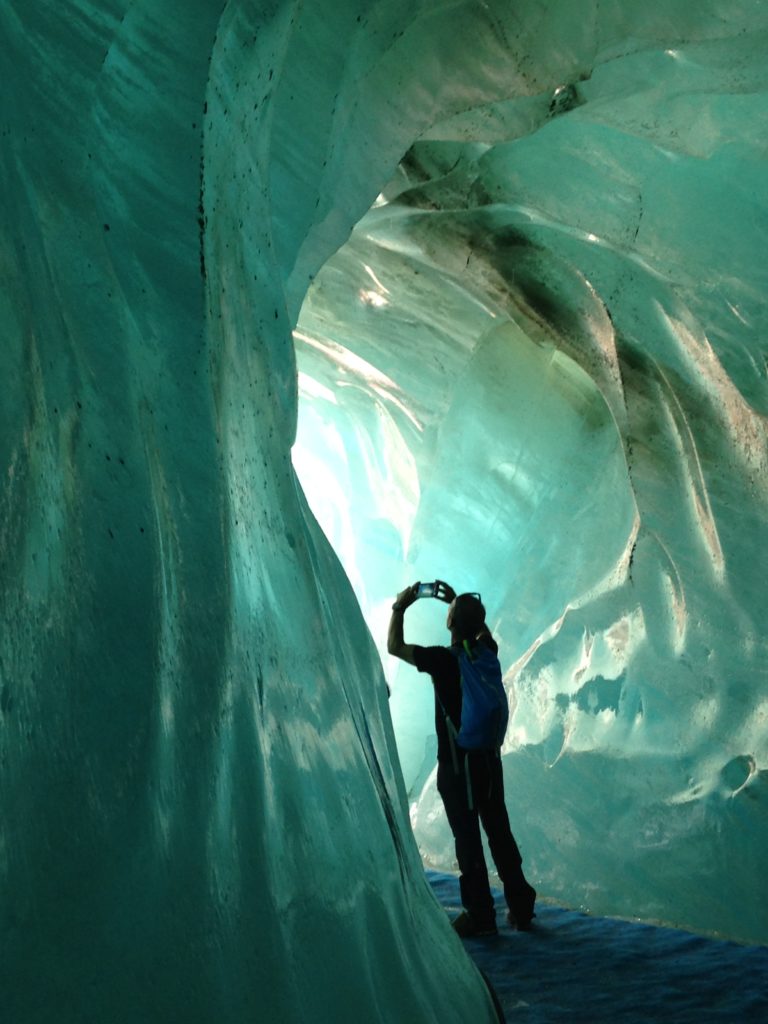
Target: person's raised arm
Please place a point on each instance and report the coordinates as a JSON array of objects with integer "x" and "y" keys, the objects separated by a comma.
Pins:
[{"x": 396, "y": 645}]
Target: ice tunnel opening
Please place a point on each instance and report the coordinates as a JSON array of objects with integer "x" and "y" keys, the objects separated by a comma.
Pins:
[
  {"x": 607, "y": 208},
  {"x": 443, "y": 432},
  {"x": 600, "y": 233}
]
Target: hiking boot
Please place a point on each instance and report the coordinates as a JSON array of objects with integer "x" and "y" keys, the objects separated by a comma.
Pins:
[
  {"x": 467, "y": 928},
  {"x": 522, "y": 916},
  {"x": 520, "y": 924}
]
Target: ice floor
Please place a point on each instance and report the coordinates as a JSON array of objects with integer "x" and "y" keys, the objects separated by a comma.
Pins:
[{"x": 573, "y": 968}]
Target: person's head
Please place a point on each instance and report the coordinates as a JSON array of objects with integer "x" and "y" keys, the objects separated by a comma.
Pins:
[{"x": 466, "y": 617}]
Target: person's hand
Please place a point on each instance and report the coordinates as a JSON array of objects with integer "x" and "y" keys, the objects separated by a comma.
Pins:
[
  {"x": 445, "y": 592},
  {"x": 405, "y": 598}
]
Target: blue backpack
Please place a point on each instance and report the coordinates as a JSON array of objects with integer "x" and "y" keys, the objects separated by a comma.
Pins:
[{"x": 484, "y": 707}]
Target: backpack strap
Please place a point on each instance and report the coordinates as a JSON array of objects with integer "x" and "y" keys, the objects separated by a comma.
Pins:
[
  {"x": 457, "y": 768},
  {"x": 488, "y": 754},
  {"x": 470, "y": 798},
  {"x": 453, "y": 732}
]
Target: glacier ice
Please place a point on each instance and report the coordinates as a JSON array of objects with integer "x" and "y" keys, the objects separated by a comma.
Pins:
[
  {"x": 204, "y": 816},
  {"x": 537, "y": 368}
]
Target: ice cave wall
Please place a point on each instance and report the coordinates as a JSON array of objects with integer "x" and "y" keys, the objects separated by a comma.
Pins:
[
  {"x": 538, "y": 369},
  {"x": 203, "y": 814}
]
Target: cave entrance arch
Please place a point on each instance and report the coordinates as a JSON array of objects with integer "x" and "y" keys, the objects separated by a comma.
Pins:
[{"x": 444, "y": 431}]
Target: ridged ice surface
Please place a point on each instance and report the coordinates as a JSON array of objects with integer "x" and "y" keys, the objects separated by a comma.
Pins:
[{"x": 561, "y": 402}]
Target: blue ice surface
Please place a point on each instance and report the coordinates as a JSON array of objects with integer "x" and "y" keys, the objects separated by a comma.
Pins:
[{"x": 574, "y": 967}]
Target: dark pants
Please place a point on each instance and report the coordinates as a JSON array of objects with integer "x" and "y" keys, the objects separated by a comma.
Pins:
[{"x": 487, "y": 806}]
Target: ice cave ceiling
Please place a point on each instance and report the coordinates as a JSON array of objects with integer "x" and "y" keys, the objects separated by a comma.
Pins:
[{"x": 536, "y": 367}]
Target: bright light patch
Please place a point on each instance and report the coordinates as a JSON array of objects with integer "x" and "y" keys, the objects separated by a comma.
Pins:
[
  {"x": 311, "y": 388},
  {"x": 371, "y": 298}
]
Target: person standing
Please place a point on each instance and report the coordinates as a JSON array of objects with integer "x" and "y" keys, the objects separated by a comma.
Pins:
[{"x": 470, "y": 781}]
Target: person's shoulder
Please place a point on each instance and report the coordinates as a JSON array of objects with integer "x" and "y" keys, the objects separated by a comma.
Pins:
[
  {"x": 485, "y": 638},
  {"x": 431, "y": 659},
  {"x": 492, "y": 645}
]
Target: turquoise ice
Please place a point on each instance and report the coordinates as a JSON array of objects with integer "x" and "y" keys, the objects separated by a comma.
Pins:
[{"x": 531, "y": 239}]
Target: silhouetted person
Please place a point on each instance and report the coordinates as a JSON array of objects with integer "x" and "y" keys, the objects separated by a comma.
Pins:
[{"x": 470, "y": 782}]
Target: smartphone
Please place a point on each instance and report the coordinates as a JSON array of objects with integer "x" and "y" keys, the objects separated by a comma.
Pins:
[{"x": 426, "y": 590}]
